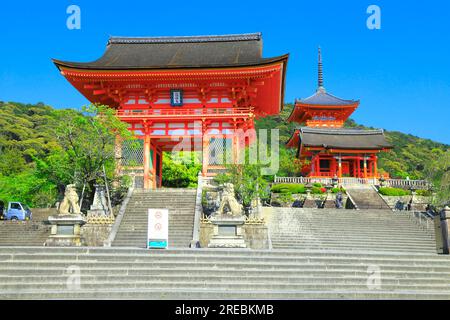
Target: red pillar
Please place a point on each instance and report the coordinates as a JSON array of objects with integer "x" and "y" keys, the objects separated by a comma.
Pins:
[
  {"x": 205, "y": 153},
  {"x": 333, "y": 167},
  {"x": 358, "y": 160},
  {"x": 318, "y": 165},
  {"x": 365, "y": 167},
  {"x": 375, "y": 166},
  {"x": 160, "y": 167},
  {"x": 340, "y": 166},
  {"x": 147, "y": 147},
  {"x": 153, "y": 169}
]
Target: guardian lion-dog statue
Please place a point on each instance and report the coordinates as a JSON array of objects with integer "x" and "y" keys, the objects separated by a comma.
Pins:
[
  {"x": 228, "y": 199},
  {"x": 70, "y": 203}
]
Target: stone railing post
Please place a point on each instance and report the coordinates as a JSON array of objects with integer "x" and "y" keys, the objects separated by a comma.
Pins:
[{"x": 441, "y": 226}]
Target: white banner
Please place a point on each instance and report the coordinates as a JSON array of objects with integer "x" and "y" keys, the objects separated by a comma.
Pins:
[{"x": 158, "y": 228}]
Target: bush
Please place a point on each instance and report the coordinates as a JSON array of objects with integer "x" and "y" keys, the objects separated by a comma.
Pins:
[
  {"x": 424, "y": 193},
  {"x": 318, "y": 190},
  {"x": 288, "y": 188},
  {"x": 317, "y": 185},
  {"x": 393, "y": 192},
  {"x": 286, "y": 198},
  {"x": 336, "y": 190}
]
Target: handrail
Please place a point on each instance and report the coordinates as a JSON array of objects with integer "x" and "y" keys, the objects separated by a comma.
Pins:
[
  {"x": 416, "y": 184},
  {"x": 115, "y": 228},
  {"x": 157, "y": 112},
  {"x": 425, "y": 222},
  {"x": 422, "y": 219}
]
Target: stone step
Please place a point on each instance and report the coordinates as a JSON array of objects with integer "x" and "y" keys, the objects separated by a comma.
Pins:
[
  {"x": 349, "y": 231},
  {"x": 235, "y": 286},
  {"x": 348, "y": 245},
  {"x": 181, "y": 205},
  {"x": 108, "y": 273},
  {"x": 183, "y": 294},
  {"x": 217, "y": 257},
  {"x": 351, "y": 240},
  {"x": 356, "y": 248},
  {"x": 249, "y": 279},
  {"x": 156, "y": 273},
  {"x": 183, "y": 266}
]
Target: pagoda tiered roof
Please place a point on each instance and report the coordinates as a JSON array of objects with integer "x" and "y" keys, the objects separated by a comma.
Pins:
[
  {"x": 322, "y": 108},
  {"x": 323, "y": 98},
  {"x": 340, "y": 138}
]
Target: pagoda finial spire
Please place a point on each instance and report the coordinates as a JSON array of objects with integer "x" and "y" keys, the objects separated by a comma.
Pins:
[{"x": 320, "y": 72}]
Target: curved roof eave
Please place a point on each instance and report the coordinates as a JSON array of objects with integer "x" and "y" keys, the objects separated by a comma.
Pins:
[{"x": 89, "y": 66}]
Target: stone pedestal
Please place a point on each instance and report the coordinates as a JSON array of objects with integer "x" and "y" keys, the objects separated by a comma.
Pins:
[
  {"x": 227, "y": 232},
  {"x": 65, "y": 231},
  {"x": 442, "y": 231}
]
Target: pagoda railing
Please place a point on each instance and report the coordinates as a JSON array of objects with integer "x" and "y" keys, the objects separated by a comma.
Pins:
[
  {"x": 395, "y": 183},
  {"x": 185, "y": 112}
]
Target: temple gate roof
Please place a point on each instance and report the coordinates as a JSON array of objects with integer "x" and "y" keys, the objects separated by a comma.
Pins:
[{"x": 178, "y": 52}]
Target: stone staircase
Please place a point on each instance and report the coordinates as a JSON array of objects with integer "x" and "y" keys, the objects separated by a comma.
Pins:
[
  {"x": 365, "y": 230},
  {"x": 23, "y": 233},
  {"x": 126, "y": 273},
  {"x": 181, "y": 204},
  {"x": 366, "y": 198}
]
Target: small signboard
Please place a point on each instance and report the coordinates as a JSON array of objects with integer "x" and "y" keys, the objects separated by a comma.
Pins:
[
  {"x": 176, "y": 97},
  {"x": 158, "y": 229}
]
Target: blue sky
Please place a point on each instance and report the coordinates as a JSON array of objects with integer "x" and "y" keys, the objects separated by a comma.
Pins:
[{"x": 400, "y": 73}]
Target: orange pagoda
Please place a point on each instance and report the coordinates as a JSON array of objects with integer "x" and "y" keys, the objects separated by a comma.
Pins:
[
  {"x": 325, "y": 148},
  {"x": 176, "y": 91}
]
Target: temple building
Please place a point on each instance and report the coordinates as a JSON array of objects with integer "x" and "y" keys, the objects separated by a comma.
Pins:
[
  {"x": 324, "y": 146},
  {"x": 182, "y": 90}
]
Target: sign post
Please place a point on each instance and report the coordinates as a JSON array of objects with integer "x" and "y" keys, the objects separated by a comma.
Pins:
[{"x": 158, "y": 229}]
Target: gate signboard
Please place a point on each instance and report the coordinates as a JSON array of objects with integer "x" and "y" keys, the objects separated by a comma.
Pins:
[{"x": 158, "y": 229}]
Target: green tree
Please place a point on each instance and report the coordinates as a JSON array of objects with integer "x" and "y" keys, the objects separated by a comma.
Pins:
[
  {"x": 249, "y": 183},
  {"x": 11, "y": 162},
  {"x": 180, "y": 171},
  {"x": 438, "y": 172},
  {"x": 87, "y": 145}
]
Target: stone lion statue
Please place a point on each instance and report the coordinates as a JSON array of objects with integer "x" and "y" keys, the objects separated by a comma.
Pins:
[
  {"x": 229, "y": 200},
  {"x": 69, "y": 205}
]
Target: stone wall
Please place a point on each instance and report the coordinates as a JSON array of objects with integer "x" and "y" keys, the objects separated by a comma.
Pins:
[
  {"x": 95, "y": 234},
  {"x": 42, "y": 214},
  {"x": 206, "y": 233},
  {"x": 419, "y": 202},
  {"x": 256, "y": 236},
  {"x": 311, "y": 200}
]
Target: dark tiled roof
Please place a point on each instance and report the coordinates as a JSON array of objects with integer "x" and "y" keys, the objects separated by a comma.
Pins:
[
  {"x": 344, "y": 138},
  {"x": 321, "y": 97},
  {"x": 178, "y": 52},
  {"x": 186, "y": 39}
]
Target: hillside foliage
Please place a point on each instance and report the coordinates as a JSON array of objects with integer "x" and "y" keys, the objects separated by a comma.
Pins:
[{"x": 42, "y": 149}]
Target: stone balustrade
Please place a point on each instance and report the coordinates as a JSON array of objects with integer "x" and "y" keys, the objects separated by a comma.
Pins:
[{"x": 395, "y": 183}]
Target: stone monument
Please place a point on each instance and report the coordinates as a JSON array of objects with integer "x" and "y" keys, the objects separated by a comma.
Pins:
[
  {"x": 99, "y": 211},
  {"x": 66, "y": 225},
  {"x": 228, "y": 221}
]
